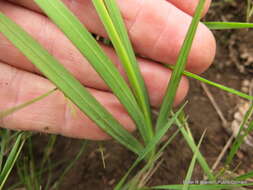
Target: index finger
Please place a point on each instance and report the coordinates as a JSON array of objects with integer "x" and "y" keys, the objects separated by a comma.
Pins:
[{"x": 189, "y": 6}]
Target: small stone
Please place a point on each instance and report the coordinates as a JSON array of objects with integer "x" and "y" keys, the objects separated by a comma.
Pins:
[
  {"x": 238, "y": 116},
  {"x": 244, "y": 108},
  {"x": 235, "y": 125},
  {"x": 245, "y": 89},
  {"x": 246, "y": 83}
]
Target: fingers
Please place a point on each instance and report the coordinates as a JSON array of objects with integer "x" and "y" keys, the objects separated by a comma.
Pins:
[
  {"x": 158, "y": 32},
  {"x": 54, "y": 114},
  {"x": 155, "y": 76},
  {"x": 166, "y": 24},
  {"x": 189, "y": 6}
]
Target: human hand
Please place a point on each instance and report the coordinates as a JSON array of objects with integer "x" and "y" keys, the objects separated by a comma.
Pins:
[{"x": 157, "y": 29}]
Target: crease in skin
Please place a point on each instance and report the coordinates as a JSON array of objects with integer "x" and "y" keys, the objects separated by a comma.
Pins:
[
  {"x": 157, "y": 41},
  {"x": 138, "y": 12},
  {"x": 46, "y": 30},
  {"x": 71, "y": 3},
  {"x": 65, "y": 115}
]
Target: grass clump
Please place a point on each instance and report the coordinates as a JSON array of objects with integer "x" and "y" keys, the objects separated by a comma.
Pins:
[{"x": 134, "y": 98}]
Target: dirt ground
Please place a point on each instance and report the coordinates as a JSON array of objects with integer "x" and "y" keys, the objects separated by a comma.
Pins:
[{"x": 89, "y": 173}]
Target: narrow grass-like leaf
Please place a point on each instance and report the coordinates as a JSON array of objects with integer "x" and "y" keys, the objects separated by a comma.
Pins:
[
  {"x": 154, "y": 142},
  {"x": 243, "y": 132},
  {"x": 48, "y": 149},
  {"x": 71, "y": 87},
  {"x": 222, "y": 87},
  {"x": 21, "y": 106},
  {"x": 12, "y": 157},
  {"x": 44, "y": 170},
  {"x": 179, "y": 68},
  {"x": 150, "y": 165},
  {"x": 192, "y": 165},
  {"x": 4, "y": 140},
  {"x": 27, "y": 172},
  {"x": 70, "y": 165},
  {"x": 190, "y": 141},
  {"x": 113, "y": 22},
  {"x": 228, "y": 25},
  {"x": 31, "y": 167},
  {"x": 203, "y": 187},
  {"x": 89, "y": 48},
  {"x": 246, "y": 176}
]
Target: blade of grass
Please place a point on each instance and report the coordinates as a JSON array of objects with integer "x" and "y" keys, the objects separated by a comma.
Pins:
[
  {"x": 32, "y": 169},
  {"x": 202, "y": 187},
  {"x": 153, "y": 143},
  {"x": 12, "y": 110},
  {"x": 48, "y": 149},
  {"x": 27, "y": 172},
  {"x": 192, "y": 165},
  {"x": 222, "y": 87},
  {"x": 243, "y": 132},
  {"x": 46, "y": 169},
  {"x": 179, "y": 68},
  {"x": 190, "y": 141},
  {"x": 49, "y": 176},
  {"x": 89, "y": 48},
  {"x": 70, "y": 165},
  {"x": 246, "y": 176},
  {"x": 21, "y": 106},
  {"x": 227, "y": 25},
  {"x": 67, "y": 83},
  {"x": 4, "y": 140},
  {"x": 7, "y": 139},
  {"x": 12, "y": 157},
  {"x": 149, "y": 165},
  {"x": 114, "y": 25}
]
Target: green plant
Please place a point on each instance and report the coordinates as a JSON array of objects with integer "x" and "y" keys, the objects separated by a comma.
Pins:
[{"x": 134, "y": 98}]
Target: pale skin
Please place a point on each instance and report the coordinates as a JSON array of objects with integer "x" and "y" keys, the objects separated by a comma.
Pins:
[{"x": 156, "y": 28}]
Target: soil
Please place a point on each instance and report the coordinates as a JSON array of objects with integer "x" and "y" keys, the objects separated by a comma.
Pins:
[{"x": 89, "y": 172}]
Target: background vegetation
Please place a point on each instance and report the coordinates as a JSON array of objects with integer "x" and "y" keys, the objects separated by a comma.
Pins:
[{"x": 33, "y": 169}]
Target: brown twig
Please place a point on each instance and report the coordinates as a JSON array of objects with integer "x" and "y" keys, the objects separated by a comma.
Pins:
[
  {"x": 215, "y": 105},
  {"x": 224, "y": 122}
]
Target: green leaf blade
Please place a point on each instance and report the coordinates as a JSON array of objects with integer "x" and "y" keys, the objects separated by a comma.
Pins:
[
  {"x": 190, "y": 141},
  {"x": 142, "y": 96},
  {"x": 227, "y": 25},
  {"x": 154, "y": 142},
  {"x": 177, "y": 73},
  {"x": 21, "y": 106},
  {"x": 89, "y": 47},
  {"x": 203, "y": 186},
  {"x": 12, "y": 158},
  {"x": 192, "y": 164},
  {"x": 113, "y": 23},
  {"x": 67, "y": 83}
]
